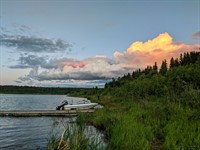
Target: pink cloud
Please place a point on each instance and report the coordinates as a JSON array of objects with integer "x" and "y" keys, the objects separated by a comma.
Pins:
[{"x": 140, "y": 54}]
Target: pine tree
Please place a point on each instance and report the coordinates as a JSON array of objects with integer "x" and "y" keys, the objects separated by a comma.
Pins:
[
  {"x": 128, "y": 76},
  {"x": 163, "y": 68},
  {"x": 176, "y": 62},
  {"x": 181, "y": 60},
  {"x": 133, "y": 75},
  {"x": 172, "y": 63},
  {"x": 155, "y": 67},
  {"x": 188, "y": 61}
]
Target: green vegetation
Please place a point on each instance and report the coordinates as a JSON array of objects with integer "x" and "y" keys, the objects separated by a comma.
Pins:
[
  {"x": 74, "y": 138},
  {"x": 149, "y": 109}
]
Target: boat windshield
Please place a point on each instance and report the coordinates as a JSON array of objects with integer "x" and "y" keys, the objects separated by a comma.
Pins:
[{"x": 65, "y": 102}]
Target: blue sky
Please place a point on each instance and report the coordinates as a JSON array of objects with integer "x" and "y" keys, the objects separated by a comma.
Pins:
[{"x": 74, "y": 43}]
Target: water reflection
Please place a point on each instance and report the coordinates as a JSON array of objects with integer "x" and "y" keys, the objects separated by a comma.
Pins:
[{"x": 32, "y": 132}]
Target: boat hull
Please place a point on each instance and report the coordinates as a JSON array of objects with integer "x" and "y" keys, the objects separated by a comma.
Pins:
[{"x": 80, "y": 106}]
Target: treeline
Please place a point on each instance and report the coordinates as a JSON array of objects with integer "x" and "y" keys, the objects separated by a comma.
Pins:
[
  {"x": 179, "y": 83},
  {"x": 165, "y": 69},
  {"x": 36, "y": 90}
]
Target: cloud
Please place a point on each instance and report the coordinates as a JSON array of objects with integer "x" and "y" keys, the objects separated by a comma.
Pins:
[
  {"x": 29, "y": 61},
  {"x": 65, "y": 63},
  {"x": 140, "y": 54},
  {"x": 65, "y": 83},
  {"x": 33, "y": 44},
  {"x": 32, "y": 61},
  {"x": 25, "y": 40},
  {"x": 100, "y": 69},
  {"x": 196, "y": 35},
  {"x": 97, "y": 68},
  {"x": 69, "y": 75}
]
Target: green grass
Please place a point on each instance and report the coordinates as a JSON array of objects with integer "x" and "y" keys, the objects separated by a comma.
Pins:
[
  {"x": 150, "y": 123},
  {"x": 74, "y": 138},
  {"x": 182, "y": 132}
]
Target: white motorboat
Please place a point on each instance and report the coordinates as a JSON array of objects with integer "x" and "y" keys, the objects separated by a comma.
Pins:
[
  {"x": 80, "y": 106},
  {"x": 66, "y": 106}
]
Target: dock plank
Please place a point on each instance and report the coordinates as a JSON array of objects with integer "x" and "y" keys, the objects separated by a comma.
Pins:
[{"x": 38, "y": 113}]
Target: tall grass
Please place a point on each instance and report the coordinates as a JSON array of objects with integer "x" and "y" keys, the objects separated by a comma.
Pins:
[
  {"x": 147, "y": 124},
  {"x": 183, "y": 131},
  {"x": 74, "y": 138}
]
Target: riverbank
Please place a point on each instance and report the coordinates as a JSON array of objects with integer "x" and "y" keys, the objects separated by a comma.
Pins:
[
  {"x": 45, "y": 113},
  {"x": 151, "y": 123}
]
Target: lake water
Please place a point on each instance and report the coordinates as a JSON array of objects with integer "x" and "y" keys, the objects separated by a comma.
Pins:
[{"x": 32, "y": 132}]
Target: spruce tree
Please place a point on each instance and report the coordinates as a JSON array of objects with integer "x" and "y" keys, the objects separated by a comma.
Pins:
[
  {"x": 172, "y": 63},
  {"x": 176, "y": 62},
  {"x": 163, "y": 68},
  {"x": 181, "y": 60},
  {"x": 155, "y": 67}
]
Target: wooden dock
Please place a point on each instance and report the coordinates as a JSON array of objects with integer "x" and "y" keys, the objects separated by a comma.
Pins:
[{"x": 38, "y": 113}]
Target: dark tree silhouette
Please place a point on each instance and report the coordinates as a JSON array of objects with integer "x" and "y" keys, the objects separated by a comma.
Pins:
[
  {"x": 155, "y": 67},
  {"x": 163, "y": 68},
  {"x": 172, "y": 63}
]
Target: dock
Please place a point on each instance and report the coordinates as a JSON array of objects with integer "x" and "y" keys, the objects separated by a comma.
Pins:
[{"x": 39, "y": 113}]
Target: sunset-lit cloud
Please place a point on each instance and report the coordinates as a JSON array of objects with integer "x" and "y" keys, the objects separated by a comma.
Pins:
[
  {"x": 140, "y": 54},
  {"x": 100, "y": 68},
  {"x": 96, "y": 68}
]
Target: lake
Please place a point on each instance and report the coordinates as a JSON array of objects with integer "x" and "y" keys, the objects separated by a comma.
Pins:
[{"x": 33, "y": 132}]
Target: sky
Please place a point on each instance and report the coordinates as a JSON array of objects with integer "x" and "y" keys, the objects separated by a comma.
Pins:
[{"x": 85, "y": 43}]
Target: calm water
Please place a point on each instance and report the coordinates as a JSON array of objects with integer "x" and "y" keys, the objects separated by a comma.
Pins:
[{"x": 31, "y": 132}]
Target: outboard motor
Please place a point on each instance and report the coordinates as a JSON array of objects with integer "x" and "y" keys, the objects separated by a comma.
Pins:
[{"x": 61, "y": 107}]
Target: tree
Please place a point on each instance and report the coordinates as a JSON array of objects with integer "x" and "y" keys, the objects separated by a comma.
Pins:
[
  {"x": 106, "y": 85},
  {"x": 163, "y": 68},
  {"x": 188, "y": 60},
  {"x": 155, "y": 67},
  {"x": 133, "y": 75},
  {"x": 128, "y": 76},
  {"x": 172, "y": 63},
  {"x": 176, "y": 62},
  {"x": 148, "y": 69},
  {"x": 181, "y": 59}
]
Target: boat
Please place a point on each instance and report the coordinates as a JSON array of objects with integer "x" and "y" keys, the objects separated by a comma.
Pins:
[
  {"x": 80, "y": 106},
  {"x": 66, "y": 106}
]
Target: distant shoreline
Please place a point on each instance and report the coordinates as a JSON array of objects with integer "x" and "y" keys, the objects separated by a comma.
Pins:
[{"x": 7, "y": 89}]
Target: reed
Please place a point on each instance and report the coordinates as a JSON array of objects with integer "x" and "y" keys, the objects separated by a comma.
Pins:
[{"x": 74, "y": 138}]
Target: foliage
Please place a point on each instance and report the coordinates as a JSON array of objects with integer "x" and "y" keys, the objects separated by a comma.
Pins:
[
  {"x": 151, "y": 109},
  {"x": 163, "y": 68},
  {"x": 187, "y": 61},
  {"x": 73, "y": 138}
]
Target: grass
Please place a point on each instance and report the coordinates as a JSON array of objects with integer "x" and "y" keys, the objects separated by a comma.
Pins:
[
  {"x": 74, "y": 138},
  {"x": 152, "y": 123}
]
